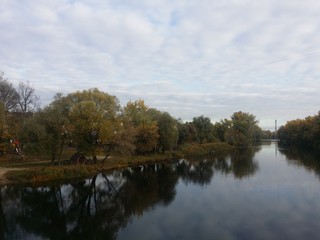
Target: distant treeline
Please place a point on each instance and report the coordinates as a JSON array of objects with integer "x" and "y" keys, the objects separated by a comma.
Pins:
[
  {"x": 94, "y": 123},
  {"x": 301, "y": 132}
]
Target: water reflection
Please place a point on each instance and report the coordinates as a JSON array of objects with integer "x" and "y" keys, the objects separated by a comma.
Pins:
[
  {"x": 93, "y": 209},
  {"x": 239, "y": 163},
  {"x": 310, "y": 160},
  {"x": 97, "y": 208},
  {"x": 242, "y": 163}
]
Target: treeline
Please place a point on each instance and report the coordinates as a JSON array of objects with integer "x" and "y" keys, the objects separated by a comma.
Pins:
[
  {"x": 301, "y": 133},
  {"x": 94, "y": 123}
]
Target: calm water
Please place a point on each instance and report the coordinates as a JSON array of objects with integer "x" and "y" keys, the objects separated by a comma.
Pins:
[{"x": 262, "y": 193}]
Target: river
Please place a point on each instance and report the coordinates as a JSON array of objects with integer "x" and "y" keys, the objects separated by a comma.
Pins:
[{"x": 261, "y": 193}]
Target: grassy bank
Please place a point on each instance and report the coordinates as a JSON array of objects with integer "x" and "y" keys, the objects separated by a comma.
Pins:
[{"x": 41, "y": 172}]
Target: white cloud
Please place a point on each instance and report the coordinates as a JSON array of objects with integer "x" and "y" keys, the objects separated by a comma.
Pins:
[{"x": 187, "y": 57}]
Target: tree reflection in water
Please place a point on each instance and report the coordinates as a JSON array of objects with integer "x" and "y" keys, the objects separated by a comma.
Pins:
[
  {"x": 239, "y": 163},
  {"x": 310, "y": 160},
  {"x": 93, "y": 209},
  {"x": 99, "y": 207}
]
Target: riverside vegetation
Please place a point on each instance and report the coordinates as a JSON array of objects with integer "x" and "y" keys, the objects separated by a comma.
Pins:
[{"x": 75, "y": 135}]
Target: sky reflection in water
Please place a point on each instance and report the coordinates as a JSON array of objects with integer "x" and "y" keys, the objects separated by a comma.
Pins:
[
  {"x": 260, "y": 193},
  {"x": 280, "y": 201}
]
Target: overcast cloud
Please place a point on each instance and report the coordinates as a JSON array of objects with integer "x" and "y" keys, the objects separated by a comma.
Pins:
[{"x": 190, "y": 58}]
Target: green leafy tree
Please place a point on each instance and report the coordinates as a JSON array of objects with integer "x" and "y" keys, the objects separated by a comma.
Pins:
[
  {"x": 168, "y": 132},
  {"x": 57, "y": 129},
  {"x": 137, "y": 113},
  {"x": 182, "y": 132},
  {"x": 220, "y": 128},
  {"x": 243, "y": 129},
  {"x": 33, "y": 136},
  {"x": 192, "y": 133},
  {"x": 92, "y": 117},
  {"x": 204, "y": 129}
]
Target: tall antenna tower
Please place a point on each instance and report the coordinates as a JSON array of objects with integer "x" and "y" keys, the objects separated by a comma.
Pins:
[{"x": 275, "y": 129}]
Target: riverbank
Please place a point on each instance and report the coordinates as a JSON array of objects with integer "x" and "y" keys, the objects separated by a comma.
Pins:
[{"x": 41, "y": 172}]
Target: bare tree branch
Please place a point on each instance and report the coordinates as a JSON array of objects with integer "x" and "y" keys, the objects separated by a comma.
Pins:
[
  {"x": 28, "y": 100},
  {"x": 8, "y": 94}
]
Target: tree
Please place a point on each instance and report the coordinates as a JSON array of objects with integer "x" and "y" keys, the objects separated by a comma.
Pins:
[
  {"x": 8, "y": 94},
  {"x": 243, "y": 129},
  {"x": 301, "y": 132},
  {"x": 94, "y": 116},
  {"x": 182, "y": 132},
  {"x": 220, "y": 128},
  {"x": 28, "y": 101},
  {"x": 204, "y": 129},
  {"x": 137, "y": 112},
  {"x": 187, "y": 132},
  {"x": 2, "y": 117},
  {"x": 167, "y": 129},
  {"x": 56, "y": 129},
  {"x": 146, "y": 128},
  {"x": 33, "y": 136},
  {"x": 2, "y": 128},
  {"x": 147, "y": 138},
  {"x": 168, "y": 132}
]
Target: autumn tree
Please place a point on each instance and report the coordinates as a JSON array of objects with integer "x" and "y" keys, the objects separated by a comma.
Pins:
[
  {"x": 147, "y": 135},
  {"x": 301, "y": 132},
  {"x": 93, "y": 115}
]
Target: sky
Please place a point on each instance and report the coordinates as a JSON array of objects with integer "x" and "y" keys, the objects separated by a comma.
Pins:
[{"x": 185, "y": 57}]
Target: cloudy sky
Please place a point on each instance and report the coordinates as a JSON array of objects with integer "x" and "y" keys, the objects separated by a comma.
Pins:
[{"x": 186, "y": 57}]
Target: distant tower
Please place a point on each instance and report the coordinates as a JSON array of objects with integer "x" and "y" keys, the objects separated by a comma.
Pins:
[{"x": 275, "y": 129}]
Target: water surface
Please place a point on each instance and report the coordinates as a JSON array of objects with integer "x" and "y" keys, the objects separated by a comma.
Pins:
[{"x": 261, "y": 193}]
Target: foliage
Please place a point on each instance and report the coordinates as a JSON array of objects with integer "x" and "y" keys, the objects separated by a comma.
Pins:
[
  {"x": 244, "y": 130},
  {"x": 147, "y": 138},
  {"x": 2, "y": 118},
  {"x": 94, "y": 124},
  {"x": 3, "y": 129},
  {"x": 205, "y": 148},
  {"x": 33, "y": 137},
  {"x": 220, "y": 128},
  {"x": 301, "y": 132},
  {"x": 137, "y": 112},
  {"x": 204, "y": 128},
  {"x": 142, "y": 120},
  {"x": 168, "y": 132},
  {"x": 187, "y": 133},
  {"x": 93, "y": 115}
]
